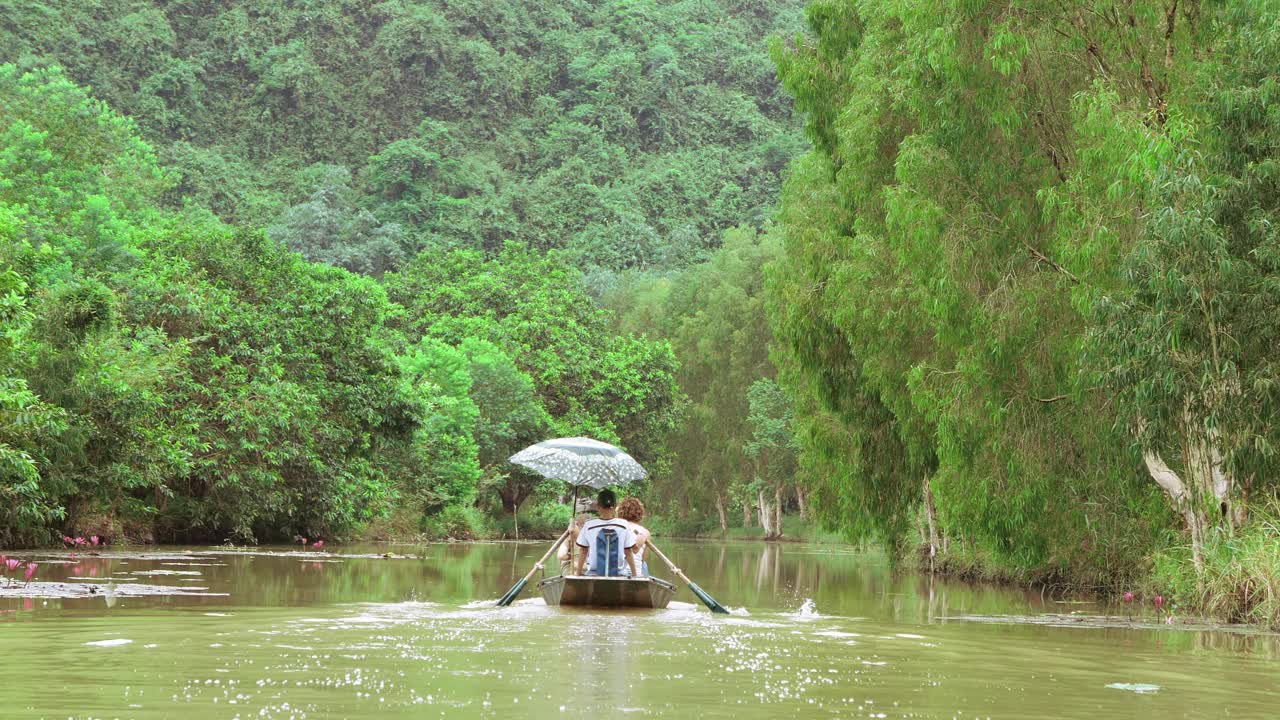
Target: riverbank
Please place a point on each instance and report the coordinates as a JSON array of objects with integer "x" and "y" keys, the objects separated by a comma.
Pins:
[
  {"x": 1237, "y": 580},
  {"x": 1238, "y": 583}
]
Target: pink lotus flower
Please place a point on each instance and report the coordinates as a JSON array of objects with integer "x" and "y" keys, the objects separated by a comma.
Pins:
[
  {"x": 1159, "y": 602},
  {"x": 31, "y": 571},
  {"x": 318, "y": 544},
  {"x": 94, "y": 539},
  {"x": 80, "y": 541},
  {"x": 1128, "y": 597},
  {"x": 303, "y": 541},
  {"x": 12, "y": 563},
  {"x": 68, "y": 540}
]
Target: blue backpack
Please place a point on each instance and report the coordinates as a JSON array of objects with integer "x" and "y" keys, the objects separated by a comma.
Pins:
[{"x": 608, "y": 550}]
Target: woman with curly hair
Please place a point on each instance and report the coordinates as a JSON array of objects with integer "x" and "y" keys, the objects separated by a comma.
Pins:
[{"x": 632, "y": 510}]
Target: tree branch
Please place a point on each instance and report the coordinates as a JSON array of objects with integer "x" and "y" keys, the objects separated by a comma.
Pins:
[{"x": 1045, "y": 259}]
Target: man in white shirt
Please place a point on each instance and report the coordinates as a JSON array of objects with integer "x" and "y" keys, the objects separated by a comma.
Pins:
[{"x": 601, "y": 532}]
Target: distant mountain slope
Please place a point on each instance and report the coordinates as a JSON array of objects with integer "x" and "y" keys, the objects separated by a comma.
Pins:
[{"x": 631, "y": 132}]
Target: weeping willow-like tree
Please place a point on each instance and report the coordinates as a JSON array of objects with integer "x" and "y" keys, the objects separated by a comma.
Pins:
[{"x": 1028, "y": 272}]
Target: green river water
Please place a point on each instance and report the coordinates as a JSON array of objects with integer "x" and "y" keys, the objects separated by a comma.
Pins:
[{"x": 816, "y": 632}]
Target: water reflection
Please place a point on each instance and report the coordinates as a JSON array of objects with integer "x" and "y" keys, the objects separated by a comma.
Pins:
[{"x": 822, "y": 632}]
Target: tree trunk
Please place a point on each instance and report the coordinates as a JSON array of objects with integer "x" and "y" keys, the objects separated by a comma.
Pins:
[
  {"x": 777, "y": 512},
  {"x": 513, "y": 493},
  {"x": 1178, "y": 494},
  {"x": 931, "y": 513},
  {"x": 800, "y": 501},
  {"x": 766, "y": 515},
  {"x": 724, "y": 519},
  {"x": 771, "y": 514},
  {"x": 746, "y": 514}
]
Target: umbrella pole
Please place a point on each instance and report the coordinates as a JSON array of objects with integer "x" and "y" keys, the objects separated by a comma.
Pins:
[{"x": 573, "y": 519}]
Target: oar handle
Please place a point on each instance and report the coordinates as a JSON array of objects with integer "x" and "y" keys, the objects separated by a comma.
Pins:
[
  {"x": 667, "y": 560},
  {"x": 538, "y": 565}
]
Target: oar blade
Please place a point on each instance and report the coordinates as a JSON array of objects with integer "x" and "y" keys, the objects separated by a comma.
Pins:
[
  {"x": 707, "y": 600},
  {"x": 513, "y": 593}
]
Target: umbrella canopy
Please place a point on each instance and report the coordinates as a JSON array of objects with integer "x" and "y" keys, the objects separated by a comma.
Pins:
[{"x": 580, "y": 461}]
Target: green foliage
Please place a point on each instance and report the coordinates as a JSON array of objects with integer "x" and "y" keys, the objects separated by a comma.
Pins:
[
  {"x": 546, "y": 519},
  {"x": 713, "y": 315},
  {"x": 167, "y": 375},
  {"x": 630, "y": 132},
  {"x": 448, "y": 467},
  {"x": 534, "y": 308},
  {"x": 932, "y": 304},
  {"x": 26, "y": 423},
  {"x": 1240, "y": 581},
  {"x": 772, "y": 444},
  {"x": 456, "y": 521},
  {"x": 330, "y": 229},
  {"x": 510, "y": 415},
  {"x": 1029, "y": 260}
]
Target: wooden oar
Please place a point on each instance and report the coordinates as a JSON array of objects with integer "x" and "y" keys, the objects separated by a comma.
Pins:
[
  {"x": 515, "y": 590},
  {"x": 706, "y": 598}
]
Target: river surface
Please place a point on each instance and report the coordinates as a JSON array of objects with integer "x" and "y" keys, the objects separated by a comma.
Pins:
[{"x": 817, "y": 632}]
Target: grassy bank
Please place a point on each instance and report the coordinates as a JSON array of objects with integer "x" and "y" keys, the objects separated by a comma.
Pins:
[
  {"x": 1238, "y": 581},
  {"x": 1240, "y": 576}
]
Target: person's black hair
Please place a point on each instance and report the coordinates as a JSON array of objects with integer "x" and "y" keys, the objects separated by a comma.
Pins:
[{"x": 607, "y": 498}]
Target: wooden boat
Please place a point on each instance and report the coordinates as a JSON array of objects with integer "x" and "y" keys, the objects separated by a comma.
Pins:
[{"x": 593, "y": 591}]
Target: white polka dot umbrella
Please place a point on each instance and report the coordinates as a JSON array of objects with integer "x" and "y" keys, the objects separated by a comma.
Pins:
[{"x": 580, "y": 461}]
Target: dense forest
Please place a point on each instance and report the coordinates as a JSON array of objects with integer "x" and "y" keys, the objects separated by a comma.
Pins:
[
  {"x": 997, "y": 282},
  {"x": 276, "y": 269},
  {"x": 1029, "y": 296}
]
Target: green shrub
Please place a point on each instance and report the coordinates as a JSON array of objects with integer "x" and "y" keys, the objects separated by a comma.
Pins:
[
  {"x": 693, "y": 525},
  {"x": 1240, "y": 581},
  {"x": 537, "y": 520},
  {"x": 457, "y": 522}
]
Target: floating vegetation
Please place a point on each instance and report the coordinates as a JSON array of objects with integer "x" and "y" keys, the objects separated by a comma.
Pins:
[{"x": 71, "y": 590}]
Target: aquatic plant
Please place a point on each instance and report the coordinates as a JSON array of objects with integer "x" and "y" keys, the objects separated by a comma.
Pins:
[
  {"x": 317, "y": 544},
  {"x": 10, "y": 565},
  {"x": 31, "y": 571}
]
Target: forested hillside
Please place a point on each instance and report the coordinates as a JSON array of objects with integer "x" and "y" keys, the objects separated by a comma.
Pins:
[
  {"x": 461, "y": 179},
  {"x": 1029, "y": 296},
  {"x": 630, "y": 133}
]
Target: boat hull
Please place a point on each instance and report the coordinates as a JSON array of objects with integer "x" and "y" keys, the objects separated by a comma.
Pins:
[{"x": 606, "y": 592}]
